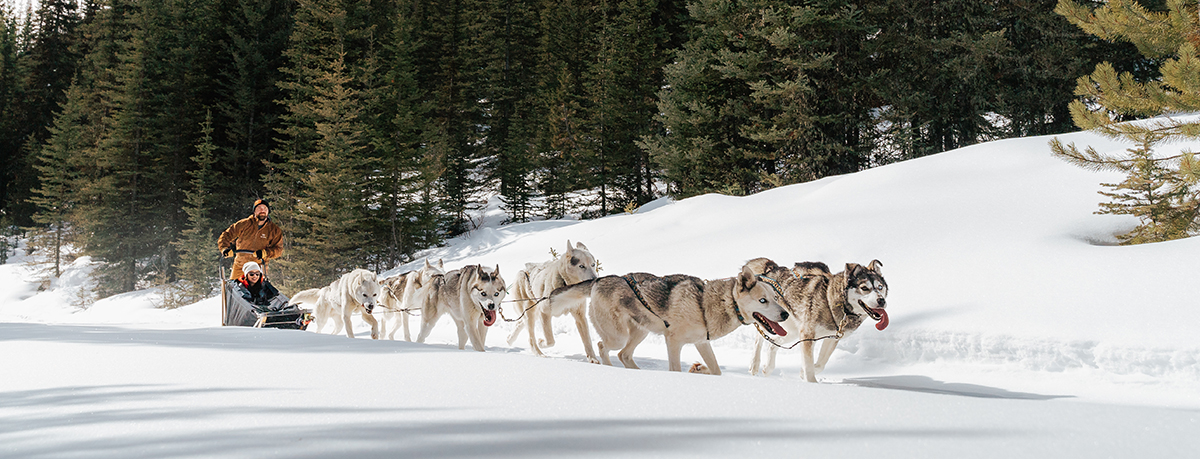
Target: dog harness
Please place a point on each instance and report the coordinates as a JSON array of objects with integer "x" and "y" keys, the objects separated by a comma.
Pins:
[{"x": 637, "y": 293}]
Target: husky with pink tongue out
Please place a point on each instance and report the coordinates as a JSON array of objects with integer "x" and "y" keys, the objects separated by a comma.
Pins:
[
  {"x": 684, "y": 309},
  {"x": 471, "y": 296},
  {"x": 824, "y": 307}
]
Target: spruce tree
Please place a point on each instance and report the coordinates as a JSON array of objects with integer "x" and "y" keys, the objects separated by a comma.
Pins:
[
  {"x": 47, "y": 68},
  {"x": 763, "y": 95},
  {"x": 1160, "y": 190},
  {"x": 503, "y": 44},
  {"x": 247, "y": 109},
  {"x": 13, "y": 126},
  {"x": 624, "y": 79},
  {"x": 567, "y": 153},
  {"x": 58, "y": 165},
  {"x": 456, "y": 119},
  {"x": 324, "y": 173},
  {"x": 402, "y": 221},
  {"x": 197, "y": 245}
]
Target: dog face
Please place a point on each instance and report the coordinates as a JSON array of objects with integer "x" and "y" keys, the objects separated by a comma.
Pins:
[
  {"x": 866, "y": 291},
  {"x": 759, "y": 298},
  {"x": 581, "y": 264},
  {"x": 487, "y": 291},
  {"x": 367, "y": 292}
]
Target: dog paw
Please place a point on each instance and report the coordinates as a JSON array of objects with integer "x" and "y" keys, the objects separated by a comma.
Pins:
[
  {"x": 698, "y": 368},
  {"x": 593, "y": 360}
]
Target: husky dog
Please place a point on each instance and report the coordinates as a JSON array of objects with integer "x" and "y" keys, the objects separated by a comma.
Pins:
[
  {"x": 472, "y": 297},
  {"x": 684, "y": 309},
  {"x": 825, "y": 306},
  {"x": 539, "y": 279},
  {"x": 355, "y": 291},
  {"x": 400, "y": 297}
]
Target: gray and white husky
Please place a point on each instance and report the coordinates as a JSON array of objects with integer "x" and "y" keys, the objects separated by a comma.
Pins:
[
  {"x": 684, "y": 309},
  {"x": 824, "y": 307},
  {"x": 472, "y": 297},
  {"x": 537, "y": 280},
  {"x": 401, "y": 297}
]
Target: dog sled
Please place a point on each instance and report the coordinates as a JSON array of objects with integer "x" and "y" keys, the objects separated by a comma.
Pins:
[{"x": 236, "y": 311}]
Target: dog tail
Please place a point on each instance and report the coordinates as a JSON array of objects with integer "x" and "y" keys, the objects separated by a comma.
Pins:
[
  {"x": 573, "y": 295},
  {"x": 307, "y": 296}
]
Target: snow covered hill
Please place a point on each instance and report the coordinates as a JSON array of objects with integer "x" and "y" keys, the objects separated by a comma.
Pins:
[{"x": 1017, "y": 328}]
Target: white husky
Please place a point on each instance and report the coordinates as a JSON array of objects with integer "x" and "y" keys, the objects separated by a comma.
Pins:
[
  {"x": 471, "y": 296},
  {"x": 400, "y": 297},
  {"x": 536, "y": 282},
  {"x": 355, "y": 291}
]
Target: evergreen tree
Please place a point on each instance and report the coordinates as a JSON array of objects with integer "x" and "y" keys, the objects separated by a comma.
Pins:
[
  {"x": 1035, "y": 80},
  {"x": 503, "y": 42},
  {"x": 937, "y": 65},
  {"x": 325, "y": 173},
  {"x": 120, "y": 213},
  {"x": 456, "y": 119},
  {"x": 59, "y": 180},
  {"x": 401, "y": 219},
  {"x": 762, "y": 95},
  {"x": 197, "y": 245},
  {"x": 624, "y": 79},
  {"x": 332, "y": 199},
  {"x": 1160, "y": 191},
  {"x": 298, "y": 134},
  {"x": 13, "y": 127},
  {"x": 567, "y": 153},
  {"x": 247, "y": 108},
  {"x": 47, "y": 68}
]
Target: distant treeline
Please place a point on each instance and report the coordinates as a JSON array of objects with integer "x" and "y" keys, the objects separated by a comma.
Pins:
[{"x": 135, "y": 131}]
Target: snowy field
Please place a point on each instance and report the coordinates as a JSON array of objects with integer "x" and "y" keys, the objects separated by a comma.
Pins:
[{"x": 1018, "y": 329}]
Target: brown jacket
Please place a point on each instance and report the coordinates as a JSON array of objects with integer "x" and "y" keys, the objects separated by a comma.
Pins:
[{"x": 245, "y": 237}]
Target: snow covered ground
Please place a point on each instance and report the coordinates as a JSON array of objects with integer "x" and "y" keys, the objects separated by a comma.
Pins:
[{"x": 1017, "y": 329}]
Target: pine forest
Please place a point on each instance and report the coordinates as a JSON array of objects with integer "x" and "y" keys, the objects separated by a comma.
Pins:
[{"x": 136, "y": 131}]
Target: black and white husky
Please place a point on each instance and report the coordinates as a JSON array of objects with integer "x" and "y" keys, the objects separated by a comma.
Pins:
[
  {"x": 824, "y": 307},
  {"x": 684, "y": 309},
  {"x": 472, "y": 297}
]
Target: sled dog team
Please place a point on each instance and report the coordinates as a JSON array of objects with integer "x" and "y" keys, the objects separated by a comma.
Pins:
[{"x": 802, "y": 305}]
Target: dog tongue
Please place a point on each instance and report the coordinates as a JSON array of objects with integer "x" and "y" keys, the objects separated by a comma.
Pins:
[
  {"x": 489, "y": 318},
  {"x": 775, "y": 327},
  {"x": 883, "y": 319}
]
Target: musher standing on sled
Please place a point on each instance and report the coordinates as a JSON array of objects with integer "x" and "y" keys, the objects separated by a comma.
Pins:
[{"x": 254, "y": 238}]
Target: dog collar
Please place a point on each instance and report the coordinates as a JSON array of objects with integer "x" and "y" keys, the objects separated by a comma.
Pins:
[{"x": 736, "y": 309}]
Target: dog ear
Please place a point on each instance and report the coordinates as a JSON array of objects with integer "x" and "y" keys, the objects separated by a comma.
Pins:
[
  {"x": 747, "y": 278},
  {"x": 496, "y": 273},
  {"x": 770, "y": 266},
  {"x": 569, "y": 248},
  {"x": 875, "y": 266},
  {"x": 852, "y": 269},
  {"x": 580, "y": 246},
  {"x": 427, "y": 265}
]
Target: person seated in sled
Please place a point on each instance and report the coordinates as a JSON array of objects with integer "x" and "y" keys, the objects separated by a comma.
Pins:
[{"x": 253, "y": 285}]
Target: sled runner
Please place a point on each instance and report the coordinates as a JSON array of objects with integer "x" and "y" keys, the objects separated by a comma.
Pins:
[{"x": 236, "y": 311}]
